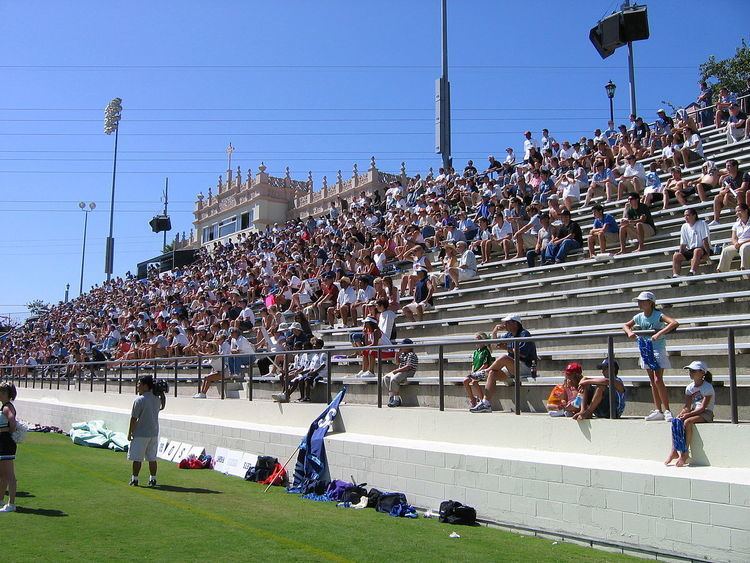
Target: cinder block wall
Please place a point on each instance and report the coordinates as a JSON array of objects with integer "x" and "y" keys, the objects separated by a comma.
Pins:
[{"x": 702, "y": 513}]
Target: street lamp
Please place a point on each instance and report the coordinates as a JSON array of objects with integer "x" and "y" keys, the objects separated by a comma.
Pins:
[
  {"x": 91, "y": 206},
  {"x": 112, "y": 115},
  {"x": 610, "y": 87}
]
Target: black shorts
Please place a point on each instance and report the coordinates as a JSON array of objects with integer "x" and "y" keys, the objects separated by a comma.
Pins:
[
  {"x": 7, "y": 447},
  {"x": 688, "y": 254},
  {"x": 602, "y": 409}
]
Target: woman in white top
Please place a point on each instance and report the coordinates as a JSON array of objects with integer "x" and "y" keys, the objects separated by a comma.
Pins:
[{"x": 502, "y": 233}]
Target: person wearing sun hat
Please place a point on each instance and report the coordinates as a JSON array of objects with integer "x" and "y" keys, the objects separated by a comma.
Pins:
[
  {"x": 653, "y": 348},
  {"x": 700, "y": 400},
  {"x": 504, "y": 366}
]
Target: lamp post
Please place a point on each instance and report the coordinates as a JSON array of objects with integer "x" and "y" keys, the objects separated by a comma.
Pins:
[
  {"x": 610, "y": 87},
  {"x": 112, "y": 115},
  {"x": 91, "y": 206},
  {"x": 67, "y": 291}
]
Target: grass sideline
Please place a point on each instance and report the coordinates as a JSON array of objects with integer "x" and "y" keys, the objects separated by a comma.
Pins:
[{"x": 75, "y": 503}]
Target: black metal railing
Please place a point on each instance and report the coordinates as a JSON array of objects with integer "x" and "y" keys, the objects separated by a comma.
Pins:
[{"x": 54, "y": 374}]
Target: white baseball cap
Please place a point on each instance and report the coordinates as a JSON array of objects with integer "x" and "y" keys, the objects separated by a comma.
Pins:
[
  {"x": 646, "y": 296},
  {"x": 511, "y": 317},
  {"x": 697, "y": 366}
]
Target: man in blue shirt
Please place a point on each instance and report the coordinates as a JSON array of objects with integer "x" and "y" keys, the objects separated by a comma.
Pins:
[
  {"x": 611, "y": 133},
  {"x": 602, "y": 179},
  {"x": 605, "y": 229}
]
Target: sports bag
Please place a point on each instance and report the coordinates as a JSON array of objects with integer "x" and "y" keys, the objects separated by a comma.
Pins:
[
  {"x": 453, "y": 512},
  {"x": 372, "y": 498},
  {"x": 387, "y": 501},
  {"x": 277, "y": 478},
  {"x": 263, "y": 469},
  {"x": 355, "y": 493},
  {"x": 337, "y": 489}
]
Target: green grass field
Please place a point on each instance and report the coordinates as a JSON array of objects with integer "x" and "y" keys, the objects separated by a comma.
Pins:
[{"x": 75, "y": 503}]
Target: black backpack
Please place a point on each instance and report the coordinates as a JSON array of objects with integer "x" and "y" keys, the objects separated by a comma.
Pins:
[
  {"x": 263, "y": 468},
  {"x": 355, "y": 493},
  {"x": 387, "y": 501},
  {"x": 453, "y": 512},
  {"x": 372, "y": 498}
]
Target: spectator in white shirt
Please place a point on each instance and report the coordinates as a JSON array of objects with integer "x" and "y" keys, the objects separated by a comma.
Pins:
[
  {"x": 501, "y": 235},
  {"x": 740, "y": 243},
  {"x": 633, "y": 179},
  {"x": 692, "y": 150},
  {"x": 569, "y": 189},
  {"x": 528, "y": 144},
  {"x": 566, "y": 152},
  {"x": 344, "y": 301},
  {"x": 365, "y": 294},
  {"x": 695, "y": 244},
  {"x": 467, "y": 262}
]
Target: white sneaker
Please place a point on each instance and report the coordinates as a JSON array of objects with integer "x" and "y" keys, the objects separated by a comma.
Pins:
[
  {"x": 280, "y": 397},
  {"x": 368, "y": 374},
  {"x": 360, "y": 373},
  {"x": 654, "y": 415},
  {"x": 8, "y": 508},
  {"x": 714, "y": 224},
  {"x": 557, "y": 413},
  {"x": 199, "y": 396},
  {"x": 668, "y": 415}
]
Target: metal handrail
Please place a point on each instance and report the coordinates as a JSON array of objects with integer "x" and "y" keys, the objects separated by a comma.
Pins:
[{"x": 199, "y": 360}]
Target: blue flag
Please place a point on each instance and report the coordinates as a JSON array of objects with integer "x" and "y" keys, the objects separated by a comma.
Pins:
[{"x": 311, "y": 471}]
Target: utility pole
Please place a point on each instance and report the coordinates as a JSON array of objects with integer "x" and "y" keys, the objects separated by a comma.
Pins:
[
  {"x": 166, "y": 203},
  {"x": 631, "y": 68},
  {"x": 443, "y": 98}
]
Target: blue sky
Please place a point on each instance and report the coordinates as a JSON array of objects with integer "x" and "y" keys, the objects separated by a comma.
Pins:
[{"x": 310, "y": 85}]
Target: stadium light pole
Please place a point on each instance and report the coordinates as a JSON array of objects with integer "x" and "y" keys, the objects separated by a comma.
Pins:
[
  {"x": 91, "y": 206},
  {"x": 631, "y": 67},
  {"x": 443, "y": 97},
  {"x": 610, "y": 88},
  {"x": 112, "y": 115}
]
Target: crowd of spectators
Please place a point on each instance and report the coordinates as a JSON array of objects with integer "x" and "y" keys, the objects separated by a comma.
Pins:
[{"x": 263, "y": 291}]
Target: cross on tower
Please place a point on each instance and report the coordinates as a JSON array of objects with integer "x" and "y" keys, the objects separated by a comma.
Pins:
[{"x": 230, "y": 150}]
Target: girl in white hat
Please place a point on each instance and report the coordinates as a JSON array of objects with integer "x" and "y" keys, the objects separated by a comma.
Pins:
[
  {"x": 656, "y": 361},
  {"x": 700, "y": 399}
]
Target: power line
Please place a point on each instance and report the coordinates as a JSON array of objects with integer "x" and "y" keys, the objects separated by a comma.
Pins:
[
  {"x": 277, "y": 134},
  {"x": 328, "y": 67},
  {"x": 322, "y": 120},
  {"x": 336, "y": 109}
]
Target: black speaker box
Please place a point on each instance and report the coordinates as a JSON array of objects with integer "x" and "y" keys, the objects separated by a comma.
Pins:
[
  {"x": 160, "y": 223},
  {"x": 634, "y": 24}
]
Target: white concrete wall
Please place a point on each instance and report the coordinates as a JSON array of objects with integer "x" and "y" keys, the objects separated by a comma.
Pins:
[{"x": 700, "y": 512}]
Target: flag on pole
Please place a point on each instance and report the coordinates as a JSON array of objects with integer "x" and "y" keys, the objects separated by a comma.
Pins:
[{"x": 311, "y": 471}]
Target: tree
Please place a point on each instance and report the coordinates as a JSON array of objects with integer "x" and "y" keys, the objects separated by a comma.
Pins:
[
  {"x": 730, "y": 73},
  {"x": 169, "y": 247},
  {"x": 37, "y": 307}
]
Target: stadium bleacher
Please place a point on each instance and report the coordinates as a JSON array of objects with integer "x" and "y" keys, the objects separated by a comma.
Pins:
[{"x": 584, "y": 297}]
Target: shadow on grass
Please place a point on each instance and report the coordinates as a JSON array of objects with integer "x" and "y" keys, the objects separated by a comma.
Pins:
[
  {"x": 24, "y": 494},
  {"x": 176, "y": 489},
  {"x": 41, "y": 511}
]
